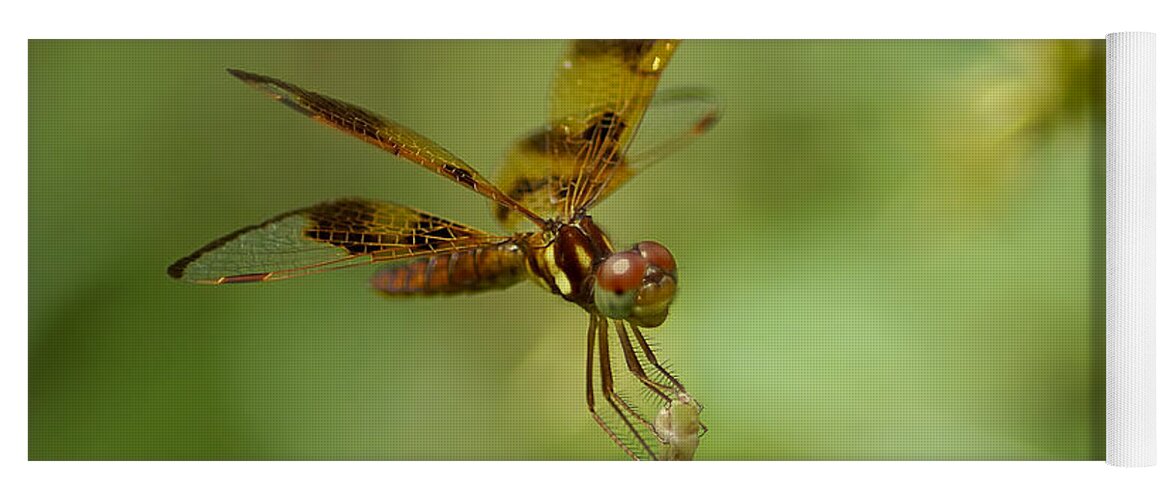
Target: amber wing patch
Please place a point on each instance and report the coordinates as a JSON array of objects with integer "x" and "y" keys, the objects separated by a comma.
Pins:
[
  {"x": 381, "y": 132},
  {"x": 574, "y": 162},
  {"x": 324, "y": 237}
]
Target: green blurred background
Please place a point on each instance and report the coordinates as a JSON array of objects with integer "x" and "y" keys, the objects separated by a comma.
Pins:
[{"x": 888, "y": 250}]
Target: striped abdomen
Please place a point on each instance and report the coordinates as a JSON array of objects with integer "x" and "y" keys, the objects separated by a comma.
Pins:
[{"x": 467, "y": 271}]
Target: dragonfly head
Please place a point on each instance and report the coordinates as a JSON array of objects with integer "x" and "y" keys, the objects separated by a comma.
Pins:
[{"x": 637, "y": 285}]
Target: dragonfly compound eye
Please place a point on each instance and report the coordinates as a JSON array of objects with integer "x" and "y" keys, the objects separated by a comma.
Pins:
[
  {"x": 637, "y": 285},
  {"x": 618, "y": 281},
  {"x": 657, "y": 255},
  {"x": 654, "y": 297}
]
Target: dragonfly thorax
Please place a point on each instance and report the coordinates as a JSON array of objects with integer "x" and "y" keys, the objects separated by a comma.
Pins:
[{"x": 565, "y": 260}]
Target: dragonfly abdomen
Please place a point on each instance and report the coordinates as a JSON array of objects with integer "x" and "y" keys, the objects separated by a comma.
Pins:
[{"x": 472, "y": 270}]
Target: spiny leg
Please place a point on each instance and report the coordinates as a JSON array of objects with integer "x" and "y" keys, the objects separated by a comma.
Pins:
[
  {"x": 603, "y": 334},
  {"x": 650, "y": 356},
  {"x": 616, "y": 401},
  {"x": 590, "y": 388},
  {"x": 635, "y": 366}
]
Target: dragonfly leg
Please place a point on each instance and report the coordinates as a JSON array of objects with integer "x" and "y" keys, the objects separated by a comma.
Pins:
[
  {"x": 635, "y": 366},
  {"x": 590, "y": 389},
  {"x": 650, "y": 356},
  {"x": 616, "y": 401}
]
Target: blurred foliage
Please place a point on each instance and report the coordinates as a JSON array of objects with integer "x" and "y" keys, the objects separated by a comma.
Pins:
[{"x": 888, "y": 250}]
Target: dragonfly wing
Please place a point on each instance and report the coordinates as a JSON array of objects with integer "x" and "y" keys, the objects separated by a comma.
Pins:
[
  {"x": 324, "y": 237},
  {"x": 675, "y": 119},
  {"x": 600, "y": 92},
  {"x": 543, "y": 168},
  {"x": 383, "y": 133}
]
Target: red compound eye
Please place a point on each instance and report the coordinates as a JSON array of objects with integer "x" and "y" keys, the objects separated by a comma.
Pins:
[
  {"x": 657, "y": 254},
  {"x": 622, "y": 272}
]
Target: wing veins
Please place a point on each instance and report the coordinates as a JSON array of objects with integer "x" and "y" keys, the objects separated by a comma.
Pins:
[{"x": 385, "y": 134}]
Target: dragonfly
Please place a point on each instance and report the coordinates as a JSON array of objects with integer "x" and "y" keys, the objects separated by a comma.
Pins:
[{"x": 602, "y": 92}]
